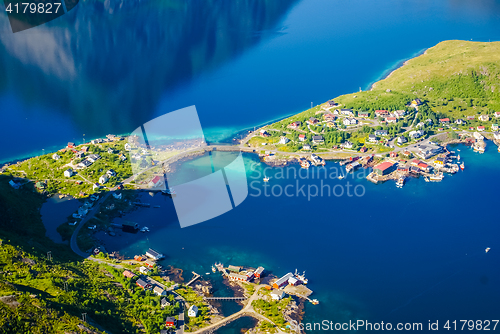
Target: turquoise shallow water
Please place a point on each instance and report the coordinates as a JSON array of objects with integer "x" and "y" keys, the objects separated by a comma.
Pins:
[{"x": 394, "y": 255}]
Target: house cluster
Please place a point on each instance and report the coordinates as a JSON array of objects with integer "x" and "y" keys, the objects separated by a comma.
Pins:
[
  {"x": 236, "y": 274},
  {"x": 390, "y": 117},
  {"x": 91, "y": 158}
]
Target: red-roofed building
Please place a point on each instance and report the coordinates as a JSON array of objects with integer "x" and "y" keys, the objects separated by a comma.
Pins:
[
  {"x": 480, "y": 128},
  {"x": 393, "y": 154},
  {"x": 384, "y": 168},
  {"x": 381, "y": 112},
  {"x": 155, "y": 182},
  {"x": 391, "y": 119},
  {"x": 423, "y": 166},
  {"x": 363, "y": 149},
  {"x": 302, "y": 137},
  {"x": 128, "y": 273},
  {"x": 294, "y": 125},
  {"x": 444, "y": 120}
]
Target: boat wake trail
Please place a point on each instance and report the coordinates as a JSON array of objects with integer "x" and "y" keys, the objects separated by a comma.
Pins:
[{"x": 426, "y": 290}]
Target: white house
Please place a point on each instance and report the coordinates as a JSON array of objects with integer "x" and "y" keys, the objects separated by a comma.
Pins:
[
  {"x": 401, "y": 140},
  {"x": 400, "y": 113},
  {"x": 350, "y": 121},
  {"x": 159, "y": 291},
  {"x": 484, "y": 118},
  {"x": 68, "y": 173},
  {"x": 306, "y": 147},
  {"x": 193, "y": 311},
  {"x": 416, "y": 134},
  {"x": 459, "y": 121},
  {"x": 144, "y": 270},
  {"x": 55, "y": 156},
  {"x": 277, "y": 294},
  {"x": 497, "y": 114},
  {"x": 347, "y": 144},
  {"x": 103, "y": 179},
  {"x": 284, "y": 140},
  {"x": 372, "y": 138}
]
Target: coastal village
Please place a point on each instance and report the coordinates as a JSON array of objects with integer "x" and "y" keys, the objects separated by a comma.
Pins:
[
  {"x": 395, "y": 144},
  {"x": 275, "y": 302}
]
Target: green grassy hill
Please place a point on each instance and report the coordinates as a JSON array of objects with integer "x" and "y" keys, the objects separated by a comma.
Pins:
[{"x": 453, "y": 79}]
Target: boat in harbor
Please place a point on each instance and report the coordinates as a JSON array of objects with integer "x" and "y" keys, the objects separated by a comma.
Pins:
[
  {"x": 304, "y": 163},
  {"x": 315, "y": 301},
  {"x": 213, "y": 269},
  {"x": 436, "y": 177},
  {"x": 462, "y": 166},
  {"x": 401, "y": 182},
  {"x": 266, "y": 179},
  {"x": 145, "y": 229},
  {"x": 487, "y": 250},
  {"x": 302, "y": 277},
  {"x": 458, "y": 157}
]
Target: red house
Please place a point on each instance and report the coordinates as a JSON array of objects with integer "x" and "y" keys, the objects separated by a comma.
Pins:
[
  {"x": 444, "y": 120},
  {"x": 294, "y": 125},
  {"x": 363, "y": 149},
  {"x": 381, "y": 112},
  {"x": 128, "y": 274},
  {"x": 71, "y": 145},
  {"x": 170, "y": 322}
]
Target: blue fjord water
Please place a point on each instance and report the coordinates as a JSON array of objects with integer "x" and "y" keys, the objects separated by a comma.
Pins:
[
  {"x": 401, "y": 255},
  {"x": 110, "y": 68},
  {"x": 383, "y": 254}
]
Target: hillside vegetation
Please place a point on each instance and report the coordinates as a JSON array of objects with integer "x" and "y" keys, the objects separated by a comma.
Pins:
[
  {"x": 452, "y": 81},
  {"x": 456, "y": 77}
]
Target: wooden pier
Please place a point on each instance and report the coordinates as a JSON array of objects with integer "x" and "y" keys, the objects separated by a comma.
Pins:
[
  {"x": 225, "y": 298},
  {"x": 196, "y": 276}
]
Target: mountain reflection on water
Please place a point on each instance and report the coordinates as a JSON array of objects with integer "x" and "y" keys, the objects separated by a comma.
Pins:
[{"x": 107, "y": 63}]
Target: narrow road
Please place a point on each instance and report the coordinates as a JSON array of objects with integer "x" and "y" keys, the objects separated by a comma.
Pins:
[{"x": 73, "y": 242}]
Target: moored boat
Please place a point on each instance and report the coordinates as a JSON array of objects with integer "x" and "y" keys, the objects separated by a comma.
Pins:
[
  {"x": 487, "y": 250},
  {"x": 436, "y": 177},
  {"x": 266, "y": 179},
  {"x": 401, "y": 182},
  {"x": 462, "y": 166}
]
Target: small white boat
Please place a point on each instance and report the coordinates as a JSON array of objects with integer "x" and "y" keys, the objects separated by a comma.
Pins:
[
  {"x": 487, "y": 250},
  {"x": 401, "y": 182},
  {"x": 145, "y": 229},
  {"x": 213, "y": 269},
  {"x": 341, "y": 177},
  {"x": 462, "y": 166},
  {"x": 266, "y": 179},
  {"x": 458, "y": 157},
  {"x": 315, "y": 301},
  {"x": 207, "y": 273}
]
